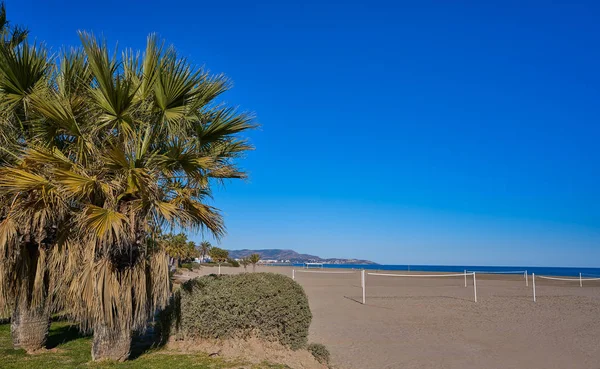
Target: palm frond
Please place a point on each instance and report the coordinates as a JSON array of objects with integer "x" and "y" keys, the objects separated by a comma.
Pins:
[
  {"x": 113, "y": 94},
  {"x": 13, "y": 180},
  {"x": 105, "y": 225},
  {"x": 21, "y": 69},
  {"x": 219, "y": 124}
]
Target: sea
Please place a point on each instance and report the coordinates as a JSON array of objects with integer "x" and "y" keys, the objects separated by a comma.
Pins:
[{"x": 549, "y": 271}]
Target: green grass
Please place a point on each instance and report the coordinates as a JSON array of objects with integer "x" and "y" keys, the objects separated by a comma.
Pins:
[{"x": 68, "y": 349}]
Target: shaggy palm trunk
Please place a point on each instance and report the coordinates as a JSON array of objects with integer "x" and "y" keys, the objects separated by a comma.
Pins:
[
  {"x": 29, "y": 328},
  {"x": 29, "y": 324},
  {"x": 110, "y": 344}
]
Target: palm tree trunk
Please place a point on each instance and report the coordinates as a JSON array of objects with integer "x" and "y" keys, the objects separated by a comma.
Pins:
[
  {"x": 110, "y": 344},
  {"x": 29, "y": 328}
]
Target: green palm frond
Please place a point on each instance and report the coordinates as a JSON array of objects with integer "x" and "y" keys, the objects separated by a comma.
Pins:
[
  {"x": 208, "y": 90},
  {"x": 56, "y": 110},
  {"x": 37, "y": 155},
  {"x": 181, "y": 157},
  {"x": 22, "y": 69},
  {"x": 80, "y": 185},
  {"x": 174, "y": 89},
  {"x": 13, "y": 180},
  {"x": 113, "y": 94},
  {"x": 220, "y": 124},
  {"x": 145, "y": 71},
  {"x": 202, "y": 216},
  {"x": 102, "y": 224},
  {"x": 74, "y": 75},
  {"x": 11, "y": 36}
]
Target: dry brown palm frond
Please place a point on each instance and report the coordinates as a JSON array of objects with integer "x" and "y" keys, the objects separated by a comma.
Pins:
[{"x": 158, "y": 271}]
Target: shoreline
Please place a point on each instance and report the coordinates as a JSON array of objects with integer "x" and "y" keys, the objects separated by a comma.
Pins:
[{"x": 479, "y": 269}]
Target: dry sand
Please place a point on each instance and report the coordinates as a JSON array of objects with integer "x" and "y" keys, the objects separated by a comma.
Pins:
[{"x": 434, "y": 322}]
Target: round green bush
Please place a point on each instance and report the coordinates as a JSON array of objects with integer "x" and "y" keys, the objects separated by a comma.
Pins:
[
  {"x": 320, "y": 352},
  {"x": 234, "y": 263},
  {"x": 267, "y": 305}
]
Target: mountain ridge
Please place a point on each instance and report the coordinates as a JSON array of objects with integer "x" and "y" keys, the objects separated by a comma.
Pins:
[{"x": 293, "y": 256}]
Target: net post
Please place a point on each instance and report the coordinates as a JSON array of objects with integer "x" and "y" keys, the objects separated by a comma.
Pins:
[
  {"x": 294, "y": 274},
  {"x": 363, "y": 286},
  {"x": 475, "y": 286},
  {"x": 580, "y": 281},
  {"x": 219, "y": 269},
  {"x": 533, "y": 280},
  {"x": 526, "y": 280},
  {"x": 465, "y": 278}
]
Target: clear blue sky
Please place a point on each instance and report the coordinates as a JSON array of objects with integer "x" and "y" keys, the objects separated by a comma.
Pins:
[{"x": 415, "y": 132}]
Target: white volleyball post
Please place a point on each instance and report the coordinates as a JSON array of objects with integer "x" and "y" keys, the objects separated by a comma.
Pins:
[
  {"x": 475, "y": 286},
  {"x": 533, "y": 279},
  {"x": 526, "y": 280},
  {"x": 363, "y": 285},
  {"x": 294, "y": 274},
  {"x": 580, "y": 281},
  {"x": 465, "y": 278},
  {"x": 219, "y": 269}
]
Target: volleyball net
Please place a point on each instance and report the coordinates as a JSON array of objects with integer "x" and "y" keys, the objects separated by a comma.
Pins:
[
  {"x": 503, "y": 273},
  {"x": 396, "y": 285},
  {"x": 389, "y": 285},
  {"x": 324, "y": 277},
  {"x": 584, "y": 279}
]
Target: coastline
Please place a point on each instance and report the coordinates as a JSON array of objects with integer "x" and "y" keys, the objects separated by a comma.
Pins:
[{"x": 549, "y": 271}]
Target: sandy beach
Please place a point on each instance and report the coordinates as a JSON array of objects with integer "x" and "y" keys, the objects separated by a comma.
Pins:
[{"x": 434, "y": 322}]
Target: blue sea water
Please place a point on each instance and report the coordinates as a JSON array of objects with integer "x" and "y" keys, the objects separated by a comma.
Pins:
[{"x": 549, "y": 271}]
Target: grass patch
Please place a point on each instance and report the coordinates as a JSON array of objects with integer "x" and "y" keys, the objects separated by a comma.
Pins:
[{"x": 69, "y": 349}]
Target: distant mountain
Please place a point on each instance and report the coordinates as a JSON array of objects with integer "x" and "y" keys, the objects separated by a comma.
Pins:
[{"x": 292, "y": 256}]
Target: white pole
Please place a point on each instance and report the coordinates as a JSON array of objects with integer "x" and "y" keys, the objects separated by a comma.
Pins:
[
  {"x": 533, "y": 279},
  {"x": 293, "y": 274},
  {"x": 363, "y": 286},
  {"x": 475, "y": 286},
  {"x": 580, "y": 281},
  {"x": 526, "y": 280},
  {"x": 219, "y": 269},
  {"x": 465, "y": 278}
]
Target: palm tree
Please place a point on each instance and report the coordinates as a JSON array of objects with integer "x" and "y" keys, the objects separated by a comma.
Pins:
[
  {"x": 177, "y": 248},
  {"x": 29, "y": 262},
  {"x": 218, "y": 256},
  {"x": 12, "y": 36},
  {"x": 254, "y": 259},
  {"x": 205, "y": 247},
  {"x": 245, "y": 262},
  {"x": 122, "y": 149}
]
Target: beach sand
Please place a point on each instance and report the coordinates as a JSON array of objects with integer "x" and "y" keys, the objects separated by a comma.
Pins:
[{"x": 434, "y": 322}]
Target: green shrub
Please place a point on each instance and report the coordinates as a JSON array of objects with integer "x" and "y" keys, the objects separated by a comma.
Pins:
[
  {"x": 234, "y": 263},
  {"x": 320, "y": 352},
  {"x": 267, "y": 305},
  {"x": 190, "y": 266},
  {"x": 212, "y": 264}
]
